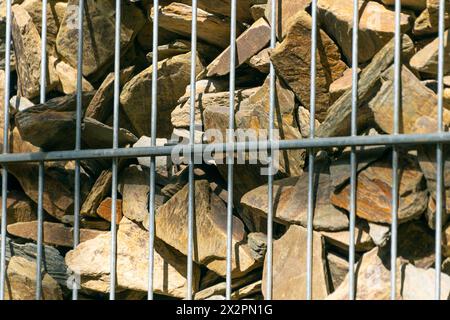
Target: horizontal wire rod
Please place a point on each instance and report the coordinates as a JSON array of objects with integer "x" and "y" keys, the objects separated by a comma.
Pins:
[{"x": 381, "y": 140}]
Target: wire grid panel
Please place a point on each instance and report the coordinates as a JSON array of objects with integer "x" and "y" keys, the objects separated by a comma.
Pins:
[{"x": 313, "y": 145}]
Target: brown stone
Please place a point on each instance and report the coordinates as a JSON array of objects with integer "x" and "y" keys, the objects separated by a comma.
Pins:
[
  {"x": 374, "y": 192},
  {"x": 337, "y": 268},
  {"x": 417, "y": 101},
  {"x": 292, "y": 61},
  {"x": 21, "y": 282},
  {"x": 105, "y": 208},
  {"x": 412, "y": 4},
  {"x": 210, "y": 218},
  {"x": 99, "y": 20},
  {"x": 285, "y": 10},
  {"x": 289, "y": 267},
  {"x": 261, "y": 61},
  {"x": 52, "y": 126},
  {"x": 249, "y": 43},
  {"x": 337, "y": 122},
  {"x": 55, "y": 234},
  {"x": 101, "y": 105},
  {"x": 291, "y": 203},
  {"x": 97, "y": 193},
  {"x": 19, "y": 208},
  {"x": 173, "y": 77},
  {"x": 27, "y": 46},
  {"x": 223, "y": 7}
]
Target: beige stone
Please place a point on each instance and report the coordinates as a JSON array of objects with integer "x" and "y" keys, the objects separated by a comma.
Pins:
[
  {"x": 134, "y": 187},
  {"x": 177, "y": 17},
  {"x": 91, "y": 261},
  {"x": 289, "y": 267},
  {"x": 68, "y": 79},
  {"x": 373, "y": 277},
  {"x": 426, "y": 59},
  {"x": 376, "y": 25},
  {"x": 21, "y": 282}
]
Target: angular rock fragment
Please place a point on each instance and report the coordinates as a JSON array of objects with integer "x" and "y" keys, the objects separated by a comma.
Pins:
[
  {"x": 52, "y": 126},
  {"x": 427, "y": 23},
  {"x": 337, "y": 122},
  {"x": 419, "y": 284},
  {"x": 90, "y": 261},
  {"x": 97, "y": 193},
  {"x": 21, "y": 282},
  {"x": 55, "y": 234},
  {"x": 285, "y": 10},
  {"x": 210, "y": 210},
  {"x": 134, "y": 187},
  {"x": 417, "y": 101},
  {"x": 97, "y": 38},
  {"x": 213, "y": 29},
  {"x": 373, "y": 278},
  {"x": 337, "y": 269},
  {"x": 374, "y": 192},
  {"x": 341, "y": 239},
  {"x": 376, "y": 25},
  {"x": 291, "y": 199},
  {"x": 289, "y": 267},
  {"x": 27, "y": 46},
  {"x": 19, "y": 208},
  {"x": 173, "y": 77},
  {"x": 261, "y": 61},
  {"x": 292, "y": 61},
  {"x": 250, "y": 42},
  {"x": 104, "y": 210},
  {"x": 426, "y": 59}
]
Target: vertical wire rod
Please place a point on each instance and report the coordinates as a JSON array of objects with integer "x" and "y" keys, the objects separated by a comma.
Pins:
[
  {"x": 154, "y": 111},
  {"x": 395, "y": 151},
  {"x": 230, "y": 155},
  {"x": 353, "y": 156},
  {"x": 115, "y": 162},
  {"x": 272, "y": 77},
  {"x": 5, "y": 148},
  {"x": 191, "y": 201},
  {"x": 40, "y": 214},
  {"x": 311, "y": 191},
  {"x": 76, "y": 228},
  {"x": 440, "y": 152}
]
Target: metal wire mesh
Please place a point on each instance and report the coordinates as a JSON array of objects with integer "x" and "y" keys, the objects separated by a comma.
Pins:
[{"x": 313, "y": 145}]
